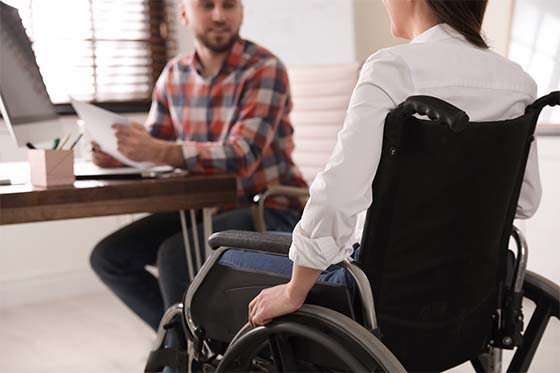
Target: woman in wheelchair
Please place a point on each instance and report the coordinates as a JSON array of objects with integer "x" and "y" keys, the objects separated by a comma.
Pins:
[
  {"x": 440, "y": 194},
  {"x": 447, "y": 58}
]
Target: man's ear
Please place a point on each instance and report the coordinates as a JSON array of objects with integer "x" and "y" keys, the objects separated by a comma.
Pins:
[
  {"x": 242, "y": 12},
  {"x": 183, "y": 14}
]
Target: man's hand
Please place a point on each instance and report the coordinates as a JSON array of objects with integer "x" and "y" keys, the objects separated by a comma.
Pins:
[
  {"x": 135, "y": 143},
  {"x": 102, "y": 159}
]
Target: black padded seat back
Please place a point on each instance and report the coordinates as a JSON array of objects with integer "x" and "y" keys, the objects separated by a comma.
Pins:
[
  {"x": 220, "y": 304},
  {"x": 436, "y": 235}
]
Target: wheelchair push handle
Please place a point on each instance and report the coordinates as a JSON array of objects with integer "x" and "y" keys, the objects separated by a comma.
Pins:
[
  {"x": 552, "y": 99},
  {"x": 436, "y": 109}
]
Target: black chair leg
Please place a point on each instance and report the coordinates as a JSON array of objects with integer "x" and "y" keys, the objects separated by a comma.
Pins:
[{"x": 488, "y": 362}]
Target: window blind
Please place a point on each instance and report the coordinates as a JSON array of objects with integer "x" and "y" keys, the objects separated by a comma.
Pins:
[{"x": 99, "y": 50}]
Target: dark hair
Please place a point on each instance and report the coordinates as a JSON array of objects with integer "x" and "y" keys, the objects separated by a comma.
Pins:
[{"x": 465, "y": 16}]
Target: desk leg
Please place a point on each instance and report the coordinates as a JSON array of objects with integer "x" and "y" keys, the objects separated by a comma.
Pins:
[
  {"x": 194, "y": 230},
  {"x": 207, "y": 224},
  {"x": 188, "y": 253}
]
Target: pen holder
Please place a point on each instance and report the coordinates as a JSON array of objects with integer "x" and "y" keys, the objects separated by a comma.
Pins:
[{"x": 51, "y": 167}]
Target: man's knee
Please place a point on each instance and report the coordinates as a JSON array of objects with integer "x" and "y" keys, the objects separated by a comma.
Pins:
[
  {"x": 171, "y": 254},
  {"x": 100, "y": 258}
]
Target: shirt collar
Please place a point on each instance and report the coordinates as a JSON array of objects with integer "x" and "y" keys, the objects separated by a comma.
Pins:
[
  {"x": 438, "y": 32},
  {"x": 233, "y": 59}
]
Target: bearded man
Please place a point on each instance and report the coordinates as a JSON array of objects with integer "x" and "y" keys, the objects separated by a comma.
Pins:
[{"x": 223, "y": 109}]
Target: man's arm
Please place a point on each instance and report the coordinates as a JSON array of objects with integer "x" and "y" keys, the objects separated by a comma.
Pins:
[{"x": 136, "y": 143}]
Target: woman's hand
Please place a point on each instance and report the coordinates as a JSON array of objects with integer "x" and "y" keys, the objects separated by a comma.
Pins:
[
  {"x": 283, "y": 299},
  {"x": 272, "y": 303}
]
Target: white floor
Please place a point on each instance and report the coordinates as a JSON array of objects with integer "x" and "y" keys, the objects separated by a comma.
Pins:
[
  {"x": 86, "y": 334},
  {"x": 96, "y": 333}
]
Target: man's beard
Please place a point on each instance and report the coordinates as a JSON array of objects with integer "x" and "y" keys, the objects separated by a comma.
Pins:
[{"x": 218, "y": 45}]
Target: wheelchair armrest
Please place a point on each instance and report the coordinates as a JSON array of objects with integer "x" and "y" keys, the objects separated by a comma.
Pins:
[
  {"x": 252, "y": 241},
  {"x": 284, "y": 190},
  {"x": 539, "y": 289}
]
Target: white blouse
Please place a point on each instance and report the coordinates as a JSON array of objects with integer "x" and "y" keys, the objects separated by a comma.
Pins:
[{"x": 440, "y": 63}]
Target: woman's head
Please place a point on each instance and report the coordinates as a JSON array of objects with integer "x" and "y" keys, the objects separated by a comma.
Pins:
[{"x": 410, "y": 16}]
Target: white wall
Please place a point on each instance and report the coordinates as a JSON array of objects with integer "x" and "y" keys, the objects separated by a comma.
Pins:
[
  {"x": 372, "y": 28},
  {"x": 302, "y": 32},
  {"x": 497, "y": 23}
]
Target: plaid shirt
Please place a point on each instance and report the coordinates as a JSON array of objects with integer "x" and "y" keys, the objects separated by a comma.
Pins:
[{"x": 236, "y": 121}]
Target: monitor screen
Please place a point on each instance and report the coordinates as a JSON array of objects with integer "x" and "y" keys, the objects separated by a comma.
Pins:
[{"x": 23, "y": 95}]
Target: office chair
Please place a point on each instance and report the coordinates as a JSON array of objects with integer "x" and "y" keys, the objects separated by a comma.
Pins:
[{"x": 434, "y": 255}]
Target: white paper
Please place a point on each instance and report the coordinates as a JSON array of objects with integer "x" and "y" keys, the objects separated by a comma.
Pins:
[{"x": 98, "y": 124}]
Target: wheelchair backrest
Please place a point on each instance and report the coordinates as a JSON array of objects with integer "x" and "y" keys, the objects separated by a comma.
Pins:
[{"x": 435, "y": 241}]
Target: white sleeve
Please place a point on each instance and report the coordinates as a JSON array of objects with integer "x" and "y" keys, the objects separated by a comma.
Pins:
[
  {"x": 343, "y": 190},
  {"x": 531, "y": 190}
]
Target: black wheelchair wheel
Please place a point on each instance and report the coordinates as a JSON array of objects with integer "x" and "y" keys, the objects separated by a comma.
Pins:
[{"x": 313, "y": 339}]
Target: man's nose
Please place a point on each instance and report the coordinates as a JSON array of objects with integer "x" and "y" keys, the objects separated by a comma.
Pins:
[{"x": 218, "y": 14}]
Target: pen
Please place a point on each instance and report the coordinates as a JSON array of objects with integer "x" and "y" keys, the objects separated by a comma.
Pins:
[
  {"x": 30, "y": 146},
  {"x": 55, "y": 144},
  {"x": 76, "y": 141},
  {"x": 64, "y": 141}
]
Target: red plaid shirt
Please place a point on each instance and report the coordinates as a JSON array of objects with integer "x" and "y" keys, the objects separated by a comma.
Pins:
[{"x": 237, "y": 121}]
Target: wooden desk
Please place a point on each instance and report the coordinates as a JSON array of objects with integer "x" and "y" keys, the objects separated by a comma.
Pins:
[{"x": 89, "y": 198}]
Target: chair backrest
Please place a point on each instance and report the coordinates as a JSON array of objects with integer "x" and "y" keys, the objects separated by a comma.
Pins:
[
  {"x": 320, "y": 96},
  {"x": 436, "y": 235}
]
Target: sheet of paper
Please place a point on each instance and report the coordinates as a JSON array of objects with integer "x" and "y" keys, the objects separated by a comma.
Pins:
[{"x": 98, "y": 124}]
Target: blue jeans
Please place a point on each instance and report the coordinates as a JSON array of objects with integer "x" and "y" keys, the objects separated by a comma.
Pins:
[
  {"x": 120, "y": 259},
  {"x": 282, "y": 265}
]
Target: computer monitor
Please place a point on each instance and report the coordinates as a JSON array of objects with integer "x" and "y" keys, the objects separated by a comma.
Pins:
[{"x": 24, "y": 102}]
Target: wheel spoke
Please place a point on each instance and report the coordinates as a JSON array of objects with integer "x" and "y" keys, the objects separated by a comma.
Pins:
[{"x": 282, "y": 353}]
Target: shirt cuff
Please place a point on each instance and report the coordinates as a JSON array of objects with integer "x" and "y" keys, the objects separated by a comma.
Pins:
[
  {"x": 317, "y": 253},
  {"x": 190, "y": 154}
]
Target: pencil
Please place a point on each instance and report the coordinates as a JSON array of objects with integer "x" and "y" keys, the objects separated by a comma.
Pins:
[
  {"x": 76, "y": 141},
  {"x": 64, "y": 141}
]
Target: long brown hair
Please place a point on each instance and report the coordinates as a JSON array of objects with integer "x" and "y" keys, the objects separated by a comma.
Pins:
[{"x": 465, "y": 16}]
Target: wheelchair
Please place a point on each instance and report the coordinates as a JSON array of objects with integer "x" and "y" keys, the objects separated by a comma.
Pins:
[{"x": 435, "y": 256}]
